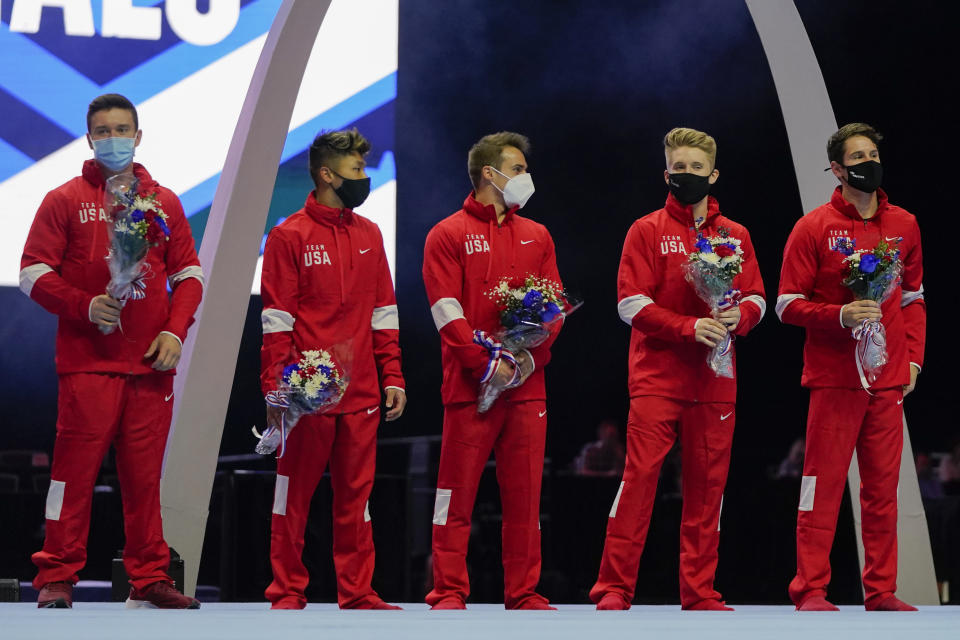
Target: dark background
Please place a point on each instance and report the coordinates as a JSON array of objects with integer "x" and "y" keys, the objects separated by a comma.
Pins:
[{"x": 595, "y": 86}]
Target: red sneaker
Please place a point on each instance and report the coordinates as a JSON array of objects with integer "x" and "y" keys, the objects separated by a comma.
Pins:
[
  {"x": 709, "y": 605},
  {"x": 452, "y": 602},
  {"x": 535, "y": 603},
  {"x": 890, "y": 603},
  {"x": 160, "y": 595},
  {"x": 816, "y": 603},
  {"x": 612, "y": 601},
  {"x": 56, "y": 595},
  {"x": 374, "y": 604},
  {"x": 289, "y": 603}
]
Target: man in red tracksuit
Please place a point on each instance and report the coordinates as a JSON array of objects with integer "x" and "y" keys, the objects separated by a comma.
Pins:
[
  {"x": 673, "y": 392},
  {"x": 326, "y": 284},
  {"x": 114, "y": 388},
  {"x": 846, "y": 411},
  {"x": 466, "y": 255}
]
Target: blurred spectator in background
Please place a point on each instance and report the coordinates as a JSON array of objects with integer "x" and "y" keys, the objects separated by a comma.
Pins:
[
  {"x": 605, "y": 456},
  {"x": 792, "y": 465},
  {"x": 950, "y": 471},
  {"x": 930, "y": 486}
]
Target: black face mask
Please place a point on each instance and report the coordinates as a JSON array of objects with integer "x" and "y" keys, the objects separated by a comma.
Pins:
[
  {"x": 352, "y": 192},
  {"x": 689, "y": 188},
  {"x": 865, "y": 176}
]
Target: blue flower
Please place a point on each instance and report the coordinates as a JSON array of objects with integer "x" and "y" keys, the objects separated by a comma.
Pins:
[
  {"x": 324, "y": 369},
  {"x": 868, "y": 263},
  {"x": 845, "y": 245},
  {"x": 514, "y": 319},
  {"x": 550, "y": 312},
  {"x": 137, "y": 215},
  {"x": 163, "y": 225},
  {"x": 533, "y": 299},
  {"x": 287, "y": 370},
  {"x": 703, "y": 245}
]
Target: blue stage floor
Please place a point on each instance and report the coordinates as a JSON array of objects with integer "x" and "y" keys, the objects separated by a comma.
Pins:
[{"x": 106, "y": 621}]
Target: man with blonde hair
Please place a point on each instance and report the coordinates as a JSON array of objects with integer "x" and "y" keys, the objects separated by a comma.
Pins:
[{"x": 673, "y": 392}]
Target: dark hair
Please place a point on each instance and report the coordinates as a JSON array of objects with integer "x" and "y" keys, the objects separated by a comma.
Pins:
[
  {"x": 335, "y": 144},
  {"x": 112, "y": 101},
  {"x": 489, "y": 151},
  {"x": 837, "y": 141}
]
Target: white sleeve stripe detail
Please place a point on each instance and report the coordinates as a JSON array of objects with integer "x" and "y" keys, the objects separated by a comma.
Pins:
[
  {"x": 909, "y": 297},
  {"x": 445, "y": 311},
  {"x": 631, "y": 306},
  {"x": 385, "y": 318},
  {"x": 759, "y": 301},
  {"x": 29, "y": 276},
  {"x": 276, "y": 320},
  {"x": 190, "y": 272},
  {"x": 785, "y": 299}
]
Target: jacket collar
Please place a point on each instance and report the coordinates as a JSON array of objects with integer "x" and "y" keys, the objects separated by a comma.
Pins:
[
  {"x": 684, "y": 213},
  {"x": 323, "y": 214},
  {"x": 94, "y": 175},
  {"x": 840, "y": 204},
  {"x": 485, "y": 212}
]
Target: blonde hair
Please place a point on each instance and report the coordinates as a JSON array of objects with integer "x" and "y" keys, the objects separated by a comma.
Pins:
[{"x": 685, "y": 137}]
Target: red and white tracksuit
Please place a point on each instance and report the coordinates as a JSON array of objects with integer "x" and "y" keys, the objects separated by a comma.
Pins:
[
  {"x": 845, "y": 411},
  {"x": 326, "y": 285},
  {"x": 673, "y": 393},
  {"x": 108, "y": 392},
  {"x": 465, "y": 256}
]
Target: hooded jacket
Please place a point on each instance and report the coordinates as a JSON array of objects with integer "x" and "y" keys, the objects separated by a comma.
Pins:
[
  {"x": 64, "y": 267},
  {"x": 663, "y": 308},
  {"x": 811, "y": 294}
]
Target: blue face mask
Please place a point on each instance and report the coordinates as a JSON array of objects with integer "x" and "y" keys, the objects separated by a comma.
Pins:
[{"x": 114, "y": 153}]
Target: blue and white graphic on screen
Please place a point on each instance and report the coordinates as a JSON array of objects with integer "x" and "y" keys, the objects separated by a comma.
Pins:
[{"x": 186, "y": 65}]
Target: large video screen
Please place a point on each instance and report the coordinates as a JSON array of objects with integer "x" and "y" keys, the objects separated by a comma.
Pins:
[{"x": 186, "y": 65}]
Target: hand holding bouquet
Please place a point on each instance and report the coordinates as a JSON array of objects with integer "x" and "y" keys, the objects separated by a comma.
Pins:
[
  {"x": 528, "y": 310},
  {"x": 711, "y": 269},
  {"x": 314, "y": 384},
  {"x": 871, "y": 274},
  {"x": 137, "y": 224}
]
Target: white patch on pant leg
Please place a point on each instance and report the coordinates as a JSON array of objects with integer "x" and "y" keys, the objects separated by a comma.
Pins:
[
  {"x": 280, "y": 495},
  {"x": 808, "y": 487},
  {"x": 720, "y": 513},
  {"x": 366, "y": 512},
  {"x": 616, "y": 501},
  {"x": 442, "y": 506},
  {"x": 55, "y": 499}
]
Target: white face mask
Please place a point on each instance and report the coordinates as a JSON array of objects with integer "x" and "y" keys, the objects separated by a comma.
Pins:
[{"x": 518, "y": 189}]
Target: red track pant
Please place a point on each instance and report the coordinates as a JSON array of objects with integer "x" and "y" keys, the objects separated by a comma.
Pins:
[
  {"x": 95, "y": 410},
  {"x": 839, "y": 421},
  {"x": 706, "y": 434},
  {"x": 349, "y": 442},
  {"x": 516, "y": 433}
]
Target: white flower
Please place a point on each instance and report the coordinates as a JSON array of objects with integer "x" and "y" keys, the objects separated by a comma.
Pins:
[{"x": 710, "y": 258}]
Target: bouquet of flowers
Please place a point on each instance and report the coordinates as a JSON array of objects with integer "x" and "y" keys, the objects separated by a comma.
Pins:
[
  {"x": 313, "y": 384},
  {"x": 871, "y": 274},
  {"x": 138, "y": 223},
  {"x": 528, "y": 310},
  {"x": 711, "y": 269}
]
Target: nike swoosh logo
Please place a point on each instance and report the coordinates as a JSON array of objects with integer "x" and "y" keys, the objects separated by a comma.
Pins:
[
  {"x": 894, "y": 239},
  {"x": 543, "y": 413},
  {"x": 726, "y": 416},
  {"x": 363, "y": 251},
  {"x": 526, "y": 241},
  {"x": 900, "y": 401},
  {"x": 374, "y": 410},
  {"x": 167, "y": 399}
]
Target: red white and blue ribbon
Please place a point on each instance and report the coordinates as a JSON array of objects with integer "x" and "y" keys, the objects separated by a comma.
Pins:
[
  {"x": 729, "y": 300},
  {"x": 496, "y": 353},
  {"x": 868, "y": 332}
]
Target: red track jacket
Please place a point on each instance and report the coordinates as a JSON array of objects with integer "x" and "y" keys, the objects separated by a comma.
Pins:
[
  {"x": 662, "y": 307},
  {"x": 63, "y": 268},
  {"x": 465, "y": 256},
  {"x": 811, "y": 294},
  {"x": 326, "y": 282}
]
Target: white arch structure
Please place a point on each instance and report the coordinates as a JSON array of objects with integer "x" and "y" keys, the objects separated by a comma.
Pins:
[
  {"x": 809, "y": 119},
  {"x": 229, "y": 255}
]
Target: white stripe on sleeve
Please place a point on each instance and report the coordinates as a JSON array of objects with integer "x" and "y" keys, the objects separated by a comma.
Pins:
[
  {"x": 445, "y": 311},
  {"x": 908, "y": 297},
  {"x": 785, "y": 299},
  {"x": 759, "y": 301},
  {"x": 30, "y": 275},
  {"x": 190, "y": 272},
  {"x": 631, "y": 306},
  {"x": 276, "y": 320},
  {"x": 385, "y": 318}
]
